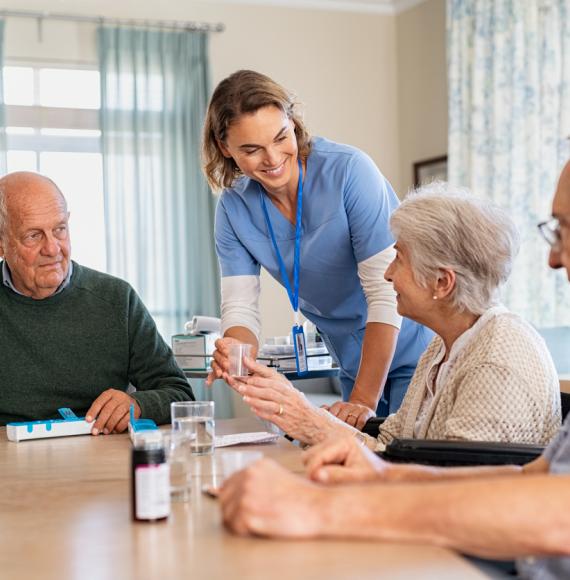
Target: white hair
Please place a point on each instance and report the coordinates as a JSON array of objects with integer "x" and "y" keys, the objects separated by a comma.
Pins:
[{"x": 445, "y": 227}]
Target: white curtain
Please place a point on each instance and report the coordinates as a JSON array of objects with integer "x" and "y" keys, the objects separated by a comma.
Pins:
[
  {"x": 159, "y": 210},
  {"x": 509, "y": 123}
]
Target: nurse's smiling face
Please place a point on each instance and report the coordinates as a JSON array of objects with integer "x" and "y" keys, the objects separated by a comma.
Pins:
[{"x": 264, "y": 146}]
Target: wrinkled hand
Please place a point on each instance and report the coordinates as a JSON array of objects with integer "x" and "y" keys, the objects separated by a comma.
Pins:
[
  {"x": 353, "y": 413},
  {"x": 273, "y": 398},
  {"x": 344, "y": 460},
  {"x": 267, "y": 500},
  {"x": 221, "y": 361},
  {"x": 110, "y": 410}
]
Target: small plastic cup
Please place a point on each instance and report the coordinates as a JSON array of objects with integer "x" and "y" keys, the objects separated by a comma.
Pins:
[
  {"x": 233, "y": 461},
  {"x": 238, "y": 351}
]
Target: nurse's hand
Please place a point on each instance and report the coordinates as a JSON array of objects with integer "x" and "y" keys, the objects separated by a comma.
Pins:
[
  {"x": 355, "y": 414},
  {"x": 221, "y": 362}
]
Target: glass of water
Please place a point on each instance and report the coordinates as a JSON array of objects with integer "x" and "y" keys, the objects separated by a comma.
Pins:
[
  {"x": 194, "y": 422},
  {"x": 178, "y": 457}
]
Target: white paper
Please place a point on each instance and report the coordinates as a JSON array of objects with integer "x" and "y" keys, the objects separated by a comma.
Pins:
[{"x": 245, "y": 438}]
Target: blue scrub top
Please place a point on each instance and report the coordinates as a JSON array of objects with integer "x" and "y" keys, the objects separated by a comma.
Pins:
[{"x": 347, "y": 204}]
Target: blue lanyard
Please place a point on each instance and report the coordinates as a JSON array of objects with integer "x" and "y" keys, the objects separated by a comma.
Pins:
[{"x": 293, "y": 294}]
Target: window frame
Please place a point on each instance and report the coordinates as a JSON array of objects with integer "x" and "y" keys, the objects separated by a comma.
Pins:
[{"x": 39, "y": 117}]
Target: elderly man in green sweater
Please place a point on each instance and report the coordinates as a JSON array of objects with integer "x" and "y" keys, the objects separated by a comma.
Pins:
[{"x": 71, "y": 336}]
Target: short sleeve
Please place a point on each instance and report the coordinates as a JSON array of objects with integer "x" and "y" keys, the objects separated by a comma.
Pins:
[
  {"x": 234, "y": 258},
  {"x": 369, "y": 201}
]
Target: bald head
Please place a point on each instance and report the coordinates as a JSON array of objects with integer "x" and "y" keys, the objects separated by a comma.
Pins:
[
  {"x": 23, "y": 186},
  {"x": 562, "y": 196},
  {"x": 560, "y": 256},
  {"x": 34, "y": 237}
]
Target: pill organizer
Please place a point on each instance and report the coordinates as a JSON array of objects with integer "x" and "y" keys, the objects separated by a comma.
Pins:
[
  {"x": 138, "y": 426},
  {"x": 69, "y": 425}
]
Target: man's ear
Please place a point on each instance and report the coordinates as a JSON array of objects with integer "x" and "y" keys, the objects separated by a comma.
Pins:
[{"x": 445, "y": 283}]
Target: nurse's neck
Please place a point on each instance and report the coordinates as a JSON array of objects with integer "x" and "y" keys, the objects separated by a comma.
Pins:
[{"x": 285, "y": 199}]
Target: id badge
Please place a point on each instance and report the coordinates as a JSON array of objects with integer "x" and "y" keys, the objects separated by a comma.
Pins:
[{"x": 300, "y": 350}]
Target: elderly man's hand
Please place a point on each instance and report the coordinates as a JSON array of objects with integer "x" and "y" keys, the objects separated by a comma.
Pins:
[
  {"x": 353, "y": 413},
  {"x": 273, "y": 398},
  {"x": 110, "y": 410},
  {"x": 344, "y": 460},
  {"x": 268, "y": 500}
]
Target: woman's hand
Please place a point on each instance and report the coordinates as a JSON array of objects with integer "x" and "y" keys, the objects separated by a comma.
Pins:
[
  {"x": 273, "y": 398},
  {"x": 221, "y": 362},
  {"x": 266, "y": 499},
  {"x": 344, "y": 460}
]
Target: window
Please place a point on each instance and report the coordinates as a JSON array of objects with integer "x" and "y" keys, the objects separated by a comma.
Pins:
[{"x": 52, "y": 118}]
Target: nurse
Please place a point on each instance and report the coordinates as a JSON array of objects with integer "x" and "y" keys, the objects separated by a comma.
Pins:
[{"x": 314, "y": 214}]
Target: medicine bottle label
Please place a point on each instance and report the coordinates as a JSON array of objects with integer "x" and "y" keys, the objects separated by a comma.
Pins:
[{"x": 152, "y": 484}]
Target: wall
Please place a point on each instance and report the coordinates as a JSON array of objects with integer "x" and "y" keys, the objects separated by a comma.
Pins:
[
  {"x": 371, "y": 80},
  {"x": 422, "y": 86}
]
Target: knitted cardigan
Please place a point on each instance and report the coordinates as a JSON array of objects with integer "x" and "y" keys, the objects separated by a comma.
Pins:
[{"x": 502, "y": 387}]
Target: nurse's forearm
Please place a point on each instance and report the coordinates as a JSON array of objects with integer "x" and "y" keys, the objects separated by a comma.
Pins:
[
  {"x": 243, "y": 334},
  {"x": 377, "y": 353}
]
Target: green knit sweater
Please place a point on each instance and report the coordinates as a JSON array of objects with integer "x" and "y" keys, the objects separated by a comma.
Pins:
[{"x": 65, "y": 350}]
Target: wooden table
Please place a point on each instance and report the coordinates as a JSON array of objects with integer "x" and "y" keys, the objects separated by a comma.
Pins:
[{"x": 65, "y": 514}]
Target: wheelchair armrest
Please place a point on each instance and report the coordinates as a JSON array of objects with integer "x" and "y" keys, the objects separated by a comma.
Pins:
[
  {"x": 372, "y": 426},
  {"x": 457, "y": 453}
]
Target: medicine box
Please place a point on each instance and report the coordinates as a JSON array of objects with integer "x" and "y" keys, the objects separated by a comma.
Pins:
[{"x": 194, "y": 352}]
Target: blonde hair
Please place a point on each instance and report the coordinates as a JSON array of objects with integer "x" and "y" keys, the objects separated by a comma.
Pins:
[{"x": 243, "y": 92}]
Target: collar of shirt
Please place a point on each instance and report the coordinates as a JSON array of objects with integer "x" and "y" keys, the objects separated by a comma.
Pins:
[{"x": 7, "y": 279}]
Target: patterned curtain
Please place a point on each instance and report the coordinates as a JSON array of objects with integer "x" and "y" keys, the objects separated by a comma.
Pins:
[
  {"x": 3, "y": 144},
  {"x": 509, "y": 123}
]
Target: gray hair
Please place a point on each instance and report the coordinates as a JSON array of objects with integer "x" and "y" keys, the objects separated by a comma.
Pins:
[{"x": 445, "y": 227}]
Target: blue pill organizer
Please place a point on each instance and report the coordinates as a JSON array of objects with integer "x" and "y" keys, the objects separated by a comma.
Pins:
[
  {"x": 71, "y": 424},
  {"x": 138, "y": 426}
]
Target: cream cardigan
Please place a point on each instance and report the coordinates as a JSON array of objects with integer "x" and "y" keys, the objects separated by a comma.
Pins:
[{"x": 502, "y": 386}]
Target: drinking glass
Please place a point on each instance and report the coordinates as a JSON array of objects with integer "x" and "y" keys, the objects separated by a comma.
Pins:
[
  {"x": 194, "y": 421},
  {"x": 177, "y": 452}
]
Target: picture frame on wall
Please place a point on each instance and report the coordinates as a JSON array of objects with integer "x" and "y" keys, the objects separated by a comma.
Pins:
[{"x": 434, "y": 169}]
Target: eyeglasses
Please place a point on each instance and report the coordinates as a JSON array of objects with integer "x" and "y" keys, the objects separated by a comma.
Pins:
[{"x": 550, "y": 231}]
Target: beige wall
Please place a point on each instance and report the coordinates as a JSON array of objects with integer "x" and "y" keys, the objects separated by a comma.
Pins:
[
  {"x": 422, "y": 86},
  {"x": 371, "y": 80}
]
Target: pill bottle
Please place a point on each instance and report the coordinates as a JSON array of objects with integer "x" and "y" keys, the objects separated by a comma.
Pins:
[{"x": 150, "y": 478}]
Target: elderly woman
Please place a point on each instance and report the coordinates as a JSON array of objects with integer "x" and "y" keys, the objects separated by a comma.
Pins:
[{"x": 486, "y": 376}]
